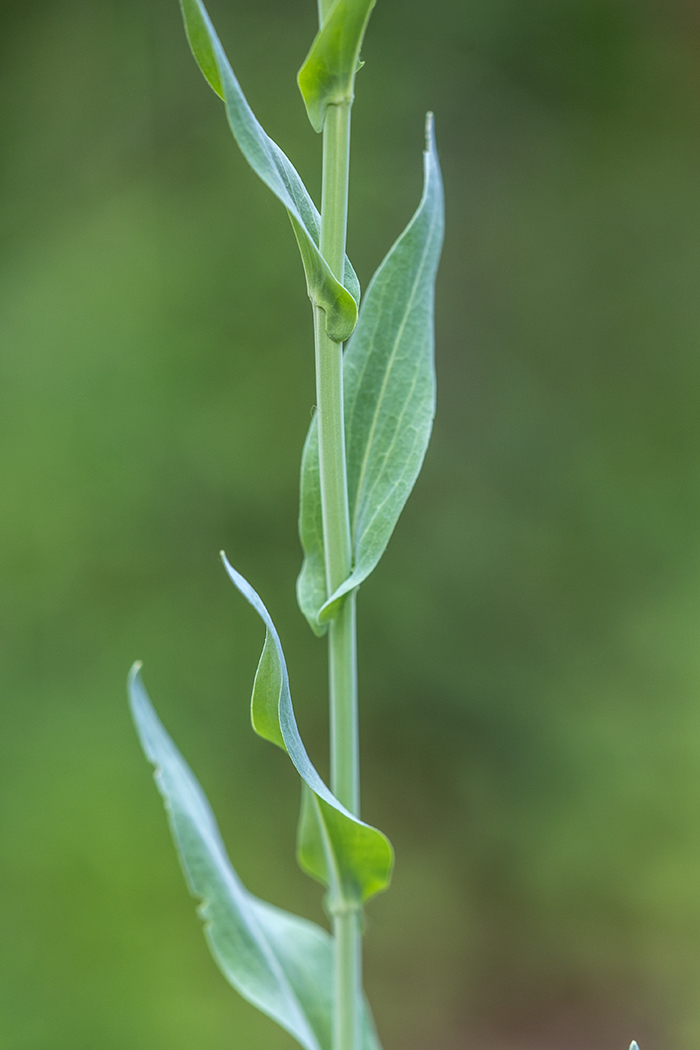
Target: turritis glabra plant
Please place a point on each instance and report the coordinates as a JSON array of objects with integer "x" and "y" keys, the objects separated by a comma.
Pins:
[{"x": 375, "y": 402}]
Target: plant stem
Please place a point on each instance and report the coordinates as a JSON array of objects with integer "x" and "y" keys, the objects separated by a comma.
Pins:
[
  {"x": 342, "y": 659},
  {"x": 346, "y": 1033},
  {"x": 342, "y": 651}
]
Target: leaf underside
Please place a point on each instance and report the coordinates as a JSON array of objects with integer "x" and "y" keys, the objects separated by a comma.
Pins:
[
  {"x": 389, "y": 396},
  {"x": 280, "y": 963},
  {"x": 351, "y": 858},
  {"x": 267, "y": 160},
  {"x": 327, "y": 76}
]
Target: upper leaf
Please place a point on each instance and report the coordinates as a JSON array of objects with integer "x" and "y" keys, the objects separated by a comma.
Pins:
[
  {"x": 278, "y": 962},
  {"x": 328, "y": 75},
  {"x": 356, "y": 859},
  {"x": 389, "y": 396},
  {"x": 275, "y": 169}
]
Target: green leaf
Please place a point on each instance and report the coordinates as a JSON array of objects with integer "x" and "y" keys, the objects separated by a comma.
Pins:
[
  {"x": 356, "y": 859},
  {"x": 389, "y": 391},
  {"x": 311, "y": 582},
  {"x": 277, "y": 172},
  {"x": 327, "y": 77},
  {"x": 278, "y": 962}
]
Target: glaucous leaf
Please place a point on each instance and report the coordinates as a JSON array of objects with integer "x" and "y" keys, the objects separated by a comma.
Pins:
[
  {"x": 389, "y": 394},
  {"x": 356, "y": 860},
  {"x": 327, "y": 77},
  {"x": 277, "y": 172},
  {"x": 311, "y": 582},
  {"x": 280, "y": 963}
]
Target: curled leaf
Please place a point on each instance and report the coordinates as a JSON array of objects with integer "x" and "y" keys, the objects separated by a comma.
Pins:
[
  {"x": 327, "y": 77},
  {"x": 338, "y": 301},
  {"x": 355, "y": 859}
]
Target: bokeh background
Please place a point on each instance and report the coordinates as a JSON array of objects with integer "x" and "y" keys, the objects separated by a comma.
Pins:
[{"x": 530, "y": 645}]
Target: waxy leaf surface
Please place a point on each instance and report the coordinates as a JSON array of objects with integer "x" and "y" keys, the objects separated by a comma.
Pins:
[
  {"x": 280, "y": 963},
  {"x": 389, "y": 397},
  {"x": 328, "y": 74},
  {"x": 351, "y": 858},
  {"x": 277, "y": 172}
]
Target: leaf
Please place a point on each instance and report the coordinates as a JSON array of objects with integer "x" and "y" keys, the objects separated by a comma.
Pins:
[
  {"x": 389, "y": 396},
  {"x": 278, "y": 962},
  {"x": 311, "y": 582},
  {"x": 356, "y": 859},
  {"x": 277, "y": 172},
  {"x": 327, "y": 77}
]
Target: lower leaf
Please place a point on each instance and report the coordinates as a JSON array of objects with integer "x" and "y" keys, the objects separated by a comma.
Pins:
[{"x": 280, "y": 963}]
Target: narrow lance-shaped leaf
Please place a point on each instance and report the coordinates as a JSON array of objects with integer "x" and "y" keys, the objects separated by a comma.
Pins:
[
  {"x": 351, "y": 858},
  {"x": 280, "y": 963},
  {"x": 389, "y": 390},
  {"x": 327, "y": 77},
  {"x": 275, "y": 169}
]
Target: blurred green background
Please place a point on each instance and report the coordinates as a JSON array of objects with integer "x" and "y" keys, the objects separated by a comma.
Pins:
[{"x": 530, "y": 659}]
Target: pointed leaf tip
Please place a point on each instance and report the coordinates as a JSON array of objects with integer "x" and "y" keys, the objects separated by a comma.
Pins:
[{"x": 634, "y": 1045}]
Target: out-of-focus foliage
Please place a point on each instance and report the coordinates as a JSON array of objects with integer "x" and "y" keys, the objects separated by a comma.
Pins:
[{"x": 530, "y": 672}]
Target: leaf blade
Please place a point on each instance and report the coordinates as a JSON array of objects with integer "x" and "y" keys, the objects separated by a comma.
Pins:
[
  {"x": 279, "y": 962},
  {"x": 389, "y": 391},
  {"x": 358, "y": 858},
  {"x": 243, "y": 955},
  {"x": 273, "y": 167},
  {"x": 327, "y": 76}
]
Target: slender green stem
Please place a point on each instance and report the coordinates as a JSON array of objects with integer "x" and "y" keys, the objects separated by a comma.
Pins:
[
  {"x": 331, "y": 441},
  {"x": 334, "y": 191},
  {"x": 345, "y": 750},
  {"x": 342, "y": 654},
  {"x": 346, "y": 1034}
]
